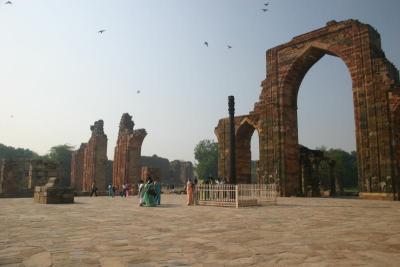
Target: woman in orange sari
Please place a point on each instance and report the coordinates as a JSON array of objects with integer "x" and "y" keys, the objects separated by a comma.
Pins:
[{"x": 189, "y": 193}]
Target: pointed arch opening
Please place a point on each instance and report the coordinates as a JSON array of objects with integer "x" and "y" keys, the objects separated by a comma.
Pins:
[{"x": 246, "y": 169}]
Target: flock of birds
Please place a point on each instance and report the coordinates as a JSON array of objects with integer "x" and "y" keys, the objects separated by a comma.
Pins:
[
  {"x": 229, "y": 46},
  {"x": 205, "y": 42}
]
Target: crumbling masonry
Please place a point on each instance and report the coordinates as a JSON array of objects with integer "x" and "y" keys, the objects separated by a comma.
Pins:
[
  {"x": 126, "y": 166},
  {"x": 376, "y": 97},
  {"x": 89, "y": 162}
]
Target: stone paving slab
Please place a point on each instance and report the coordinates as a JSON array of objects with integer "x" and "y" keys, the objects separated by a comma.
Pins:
[{"x": 117, "y": 232}]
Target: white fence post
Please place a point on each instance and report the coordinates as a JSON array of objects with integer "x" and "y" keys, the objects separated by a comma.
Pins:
[
  {"x": 229, "y": 195},
  {"x": 237, "y": 195}
]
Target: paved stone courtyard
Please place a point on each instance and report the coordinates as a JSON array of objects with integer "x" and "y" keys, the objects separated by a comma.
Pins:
[{"x": 117, "y": 232}]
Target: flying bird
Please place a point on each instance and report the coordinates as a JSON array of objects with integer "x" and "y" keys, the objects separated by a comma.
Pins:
[
  {"x": 266, "y": 4},
  {"x": 138, "y": 91},
  {"x": 206, "y": 44},
  {"x": 8, "y": 3},
  {"x": 101, "y": 31},
  {"x": 264, "y": 9},
  {"x": 229, "y": 47}
]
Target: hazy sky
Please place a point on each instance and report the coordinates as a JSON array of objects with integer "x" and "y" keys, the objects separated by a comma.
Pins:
[{"x": 58, "y": 75}]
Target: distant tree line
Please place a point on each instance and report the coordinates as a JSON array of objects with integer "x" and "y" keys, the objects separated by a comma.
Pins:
[
  {"x": 206, "y": 155},
  {"x": 345, "y": 166},
  {"x": 9, "y": 152}
]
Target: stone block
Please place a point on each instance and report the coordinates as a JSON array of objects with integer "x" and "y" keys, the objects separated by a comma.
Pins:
[{"x": 53, "y": 193}]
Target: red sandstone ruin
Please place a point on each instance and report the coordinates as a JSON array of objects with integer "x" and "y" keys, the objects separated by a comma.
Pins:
[
  {"x": 89, "y": 162},
  {"x": 127, "y": 156},
  {"x": 376, "y": 97},
  {"x": 77, "y": 168}
]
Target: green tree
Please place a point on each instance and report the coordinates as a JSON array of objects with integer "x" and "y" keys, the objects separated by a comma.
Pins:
[
  {"x": 345, "y": 167},
  {"x": 206, "y": 155},
  {"x": 9, "y": 152},
  {"x": 62, "y": 154}
]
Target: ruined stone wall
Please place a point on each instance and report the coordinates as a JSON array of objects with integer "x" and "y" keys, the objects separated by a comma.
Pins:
[
  {"x": 41, "y": 170},
  {"x": 175, "y": 172},
  {"x": 181, "y": 171},
  {"x": 150, "y": 172},
  {"x": 395, "y": 107},
  {"x": 158, "y": 163},
  {"x": 95, "y": 158},
  {"x": 77, "y": 162},
  {"x": 127, "y": 155},
  {"x": 244, "y": 129},
  {"x": 109, "y": 172},
  {"x": 375, "y": 86},
  {"x": 13, "y": 176}
]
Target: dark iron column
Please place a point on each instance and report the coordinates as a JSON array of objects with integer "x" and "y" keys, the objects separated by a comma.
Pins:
[{"x": 232, "y": 147}]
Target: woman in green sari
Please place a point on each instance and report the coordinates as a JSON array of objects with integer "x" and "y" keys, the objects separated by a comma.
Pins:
[{"x": 149, "y": 193}]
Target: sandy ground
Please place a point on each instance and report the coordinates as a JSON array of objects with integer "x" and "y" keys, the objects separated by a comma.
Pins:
[{"x": 117, "y": 232}]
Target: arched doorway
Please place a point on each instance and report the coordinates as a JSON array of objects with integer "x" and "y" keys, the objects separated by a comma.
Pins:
[
  {"x": 326, "y": 129},
  {"x": 244, "y": 134},
  {"x": 375, "y": 88}
]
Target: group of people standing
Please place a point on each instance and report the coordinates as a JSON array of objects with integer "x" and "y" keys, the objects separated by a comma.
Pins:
[
  {"x": 150, "y": 192},
  {"x": 123, "y": 192}
]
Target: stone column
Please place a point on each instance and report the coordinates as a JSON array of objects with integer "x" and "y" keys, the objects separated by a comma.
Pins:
[
  {"x": 231, "y": 104},
  {"x": 95, "y": 159}
]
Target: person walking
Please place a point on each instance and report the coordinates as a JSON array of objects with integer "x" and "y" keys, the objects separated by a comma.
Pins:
[
  {"x": 157, "y": 187},
  {"x": 94, "y": 190}
]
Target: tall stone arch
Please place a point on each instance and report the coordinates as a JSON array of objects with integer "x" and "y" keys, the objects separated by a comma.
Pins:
[{"x": 376, "y": 91}]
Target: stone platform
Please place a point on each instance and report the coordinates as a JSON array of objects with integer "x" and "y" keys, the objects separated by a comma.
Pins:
[
  {"x": 53, "y": 193},
  {"x": 101, "y": 231}
]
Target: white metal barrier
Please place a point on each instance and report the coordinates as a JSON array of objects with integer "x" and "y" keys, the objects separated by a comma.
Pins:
[{"x": 241, "y": 195}]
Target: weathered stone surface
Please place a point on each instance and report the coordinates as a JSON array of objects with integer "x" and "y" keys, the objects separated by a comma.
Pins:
[
  {"x": 94, "y": 159},
  {"x": 42, "y": 259},
  {"x": 41, "y": 170},
  {"x": 53, "y": 193},
  {"x": 376, "y": 96},
  {"x": 109, "y": 172},
  {"x": 13, "y": 176},
  {"x": 150, "y": 172},
  {"x": 181, "y": 171},
  {"x": 158, "y": 163},
  {"x": 77, "y": 161},
  {"x": 175, "y": 172},
  {"x": 19, "y": 177},
  {"x": 126, "y": 165},
  {"x": 295, "y": 232}
]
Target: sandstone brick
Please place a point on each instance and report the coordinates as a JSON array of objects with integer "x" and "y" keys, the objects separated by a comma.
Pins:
[{"x": 376, "y": 94}]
